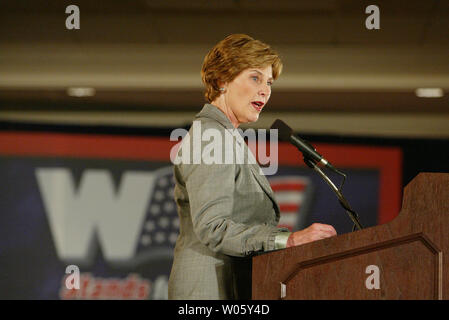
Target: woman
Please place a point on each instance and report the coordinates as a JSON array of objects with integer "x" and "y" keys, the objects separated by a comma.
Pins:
[{"x": 227, "y": 211}]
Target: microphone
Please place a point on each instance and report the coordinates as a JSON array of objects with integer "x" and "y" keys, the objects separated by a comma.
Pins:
[
  {"x": 286, "y": 134},
  {"x": 311, "y": 157}
]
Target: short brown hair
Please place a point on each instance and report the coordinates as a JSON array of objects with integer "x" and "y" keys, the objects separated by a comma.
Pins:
[{"x": 228, "y": 58}]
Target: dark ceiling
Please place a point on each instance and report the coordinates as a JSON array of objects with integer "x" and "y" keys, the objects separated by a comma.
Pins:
[{"x": 325, "y": 24}]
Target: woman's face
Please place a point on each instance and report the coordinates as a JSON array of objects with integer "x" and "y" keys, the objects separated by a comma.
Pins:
[{"x": 245, "y": 96}]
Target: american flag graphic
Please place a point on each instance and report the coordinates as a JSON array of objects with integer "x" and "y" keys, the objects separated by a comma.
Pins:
[
  {"x": 160, "y": 228},
  {"x": 293, "y": 194}
]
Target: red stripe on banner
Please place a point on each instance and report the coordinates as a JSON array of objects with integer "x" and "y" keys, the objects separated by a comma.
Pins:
[
  {"x": 289, "y": 208},
  {"x": 287, "y": 186},
  {"x": 85, "y": 145}
]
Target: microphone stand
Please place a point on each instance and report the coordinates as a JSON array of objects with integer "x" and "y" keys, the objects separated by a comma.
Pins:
[{"x": 344, "y": 203}]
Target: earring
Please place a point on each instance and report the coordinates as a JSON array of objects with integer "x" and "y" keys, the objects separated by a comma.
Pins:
[{"x": 222, "y": 89}]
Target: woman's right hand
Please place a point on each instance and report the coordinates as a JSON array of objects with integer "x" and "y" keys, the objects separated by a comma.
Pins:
[{"x": 316, "y": 231}]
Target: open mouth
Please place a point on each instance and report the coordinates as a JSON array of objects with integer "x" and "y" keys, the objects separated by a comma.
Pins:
[{"x": 258, "y": 105}]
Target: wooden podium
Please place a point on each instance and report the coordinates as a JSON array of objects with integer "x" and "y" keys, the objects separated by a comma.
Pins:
[{"x": 407, "y": 258}]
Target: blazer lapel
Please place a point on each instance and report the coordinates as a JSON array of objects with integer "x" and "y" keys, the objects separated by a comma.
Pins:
[
  {"x": 263, "y": 182},
  {"x": 260, "y": 178},
  {"x": 212, "y": 112}
]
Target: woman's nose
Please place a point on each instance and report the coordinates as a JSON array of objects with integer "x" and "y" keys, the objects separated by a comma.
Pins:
[{"x": 264, "y": 90}]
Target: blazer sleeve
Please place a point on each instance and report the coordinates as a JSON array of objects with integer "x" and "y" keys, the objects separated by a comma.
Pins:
[{"x": 211, "y": 189}]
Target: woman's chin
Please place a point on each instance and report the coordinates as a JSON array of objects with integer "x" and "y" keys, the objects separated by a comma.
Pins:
[{"x": 255, "y": 117}]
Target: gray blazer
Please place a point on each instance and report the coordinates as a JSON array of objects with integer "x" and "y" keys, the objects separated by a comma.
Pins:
[{"x": 227, "y": 212}]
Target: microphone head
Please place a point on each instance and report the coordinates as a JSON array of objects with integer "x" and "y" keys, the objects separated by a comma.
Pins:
[{"x": 284, "y": 131}]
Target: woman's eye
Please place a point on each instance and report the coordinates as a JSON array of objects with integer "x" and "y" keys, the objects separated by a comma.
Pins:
[
  {"x": 270, "y": 83},
  {"x": 255, "y": 77}
]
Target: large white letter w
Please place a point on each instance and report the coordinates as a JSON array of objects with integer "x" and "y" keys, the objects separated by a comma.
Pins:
[{"x": 78, "y": 219}]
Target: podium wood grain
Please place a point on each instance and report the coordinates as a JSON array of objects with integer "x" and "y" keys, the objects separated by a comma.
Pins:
[{"x": 411, "y": 253}]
